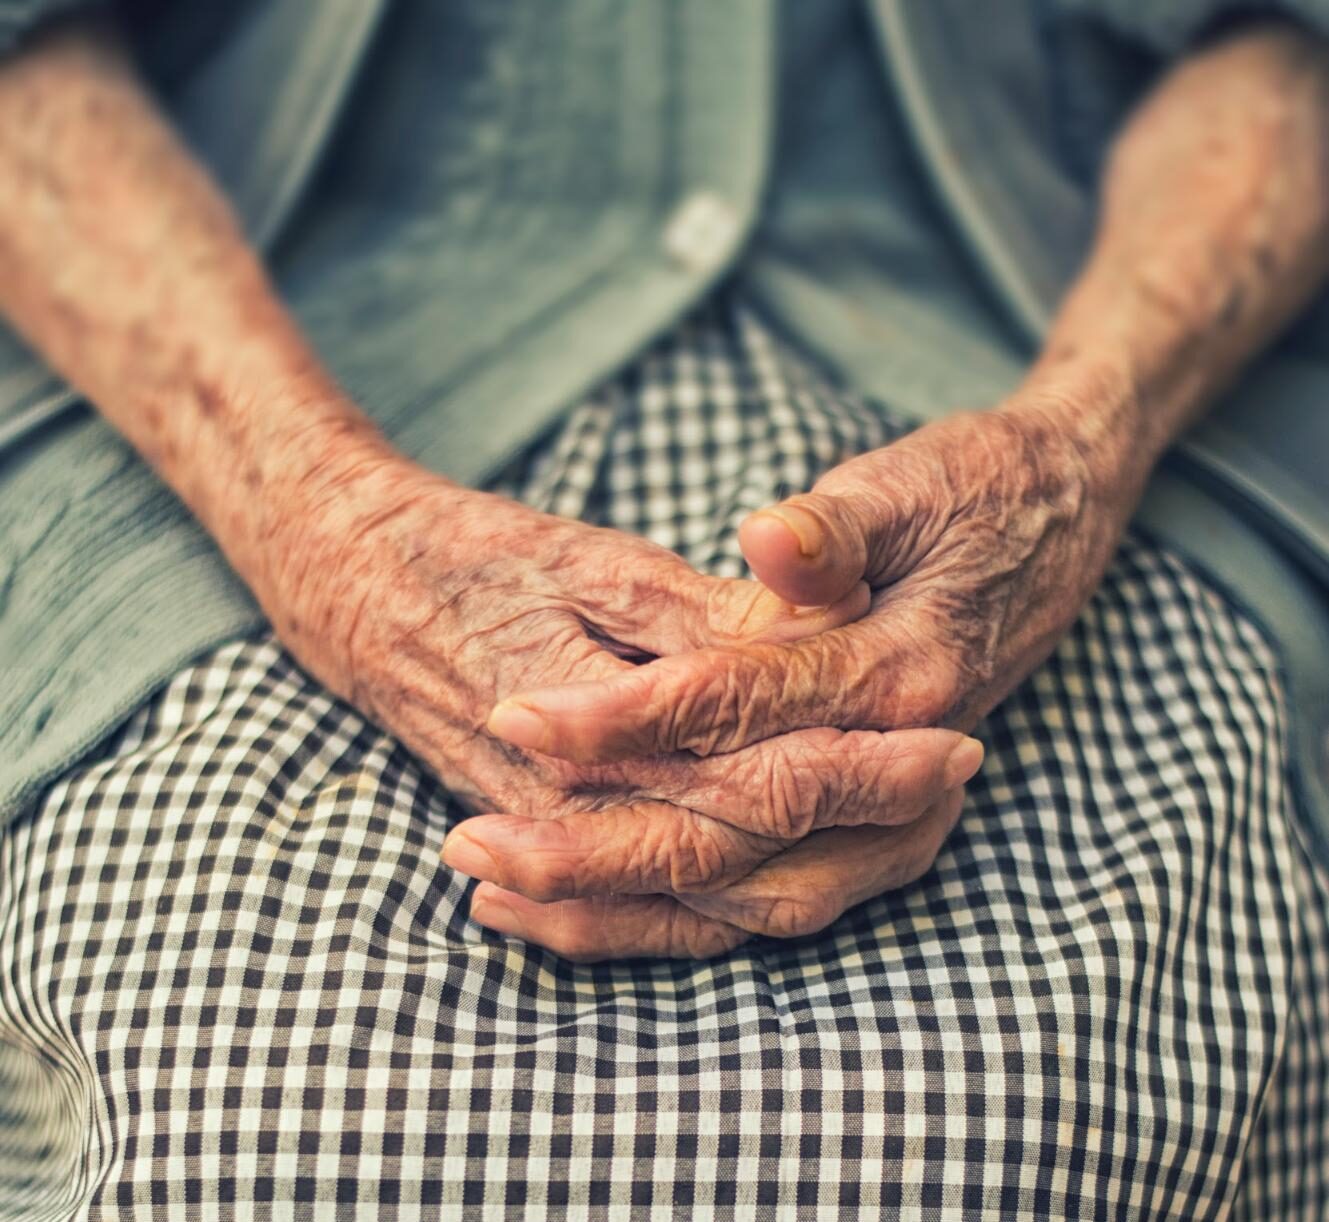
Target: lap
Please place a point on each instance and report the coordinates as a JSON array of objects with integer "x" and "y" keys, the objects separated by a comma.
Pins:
[{"x": 234, "y": 963}]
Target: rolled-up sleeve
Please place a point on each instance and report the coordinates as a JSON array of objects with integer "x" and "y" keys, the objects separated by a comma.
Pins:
[
  {"x": 19, "y": 18},
  {"x": 1169, "y": 27}
]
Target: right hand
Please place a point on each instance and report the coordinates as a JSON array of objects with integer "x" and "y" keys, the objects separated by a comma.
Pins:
[{"x": 426, "y": 605}]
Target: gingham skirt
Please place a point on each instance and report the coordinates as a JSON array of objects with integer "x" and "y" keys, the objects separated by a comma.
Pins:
[{"x": 236, "y": 981}]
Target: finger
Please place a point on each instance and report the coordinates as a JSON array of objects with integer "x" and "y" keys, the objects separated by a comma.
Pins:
[
  {"x": 645, "y": 849},
  {"x": 812, "y": 548},
  {"x": 659, "y": 926},
  {"x": 708, "y": 611},
  {"x": 871, "y": 519},
  {"x": 715, "y": 700},
  {"x": 655, "y": 846},
  {"x": 794, "y": 784},
  {"x": 606, "y": 928},
  {"x": 813, "y": 883},
  {"x": 645, "y": 597}
]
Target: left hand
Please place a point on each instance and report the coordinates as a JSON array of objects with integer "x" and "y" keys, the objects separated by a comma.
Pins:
[{"x": 981, "y": 537}]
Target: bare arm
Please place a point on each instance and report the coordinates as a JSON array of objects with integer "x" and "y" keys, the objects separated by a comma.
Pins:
[
  {"x": 1213, "y": 234},
  {"x": 121, "y": 262}
]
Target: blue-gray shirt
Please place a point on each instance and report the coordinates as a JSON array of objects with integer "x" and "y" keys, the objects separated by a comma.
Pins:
[{"x": 509, "y": 200}]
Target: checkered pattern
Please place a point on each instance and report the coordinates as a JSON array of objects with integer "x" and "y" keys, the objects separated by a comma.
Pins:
[{"x": 236, "y": 981}]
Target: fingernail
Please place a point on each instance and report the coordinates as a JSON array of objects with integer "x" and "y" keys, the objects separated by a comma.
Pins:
[
  {"x": 462, "y": 852},
  {"x": 807, "y": 529},
  {"x": 496, "y": 914},
  {"x": 964, "y": 760},
  {"x": 519, "y": 725}
]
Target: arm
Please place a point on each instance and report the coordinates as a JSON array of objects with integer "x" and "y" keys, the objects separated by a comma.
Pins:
[
  {"x": 421, "y": 602},
  {"x": 1213, "y": 234},
  {"x": 983, "y": 535},
  {"x": 123, "y": 265}
]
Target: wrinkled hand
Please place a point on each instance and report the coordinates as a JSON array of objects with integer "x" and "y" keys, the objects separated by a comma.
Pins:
[
  {"x": 425, "y": 605},
  {"x": 799, "y": 890},
  {"x": 980, "y": 536}
]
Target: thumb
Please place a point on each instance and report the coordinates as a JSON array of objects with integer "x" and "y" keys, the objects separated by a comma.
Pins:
[{"x": 811, "y": 549}]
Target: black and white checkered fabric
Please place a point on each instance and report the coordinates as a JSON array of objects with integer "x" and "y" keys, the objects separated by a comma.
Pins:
[{"x": 236, "y": 981}]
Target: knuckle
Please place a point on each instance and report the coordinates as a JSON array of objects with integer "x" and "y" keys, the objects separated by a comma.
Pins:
[
  {"x": 794, "y": 792},
  {"x": 628, "y": 869},
  {"x": 696, "y": 858},
  {"x": 549, "y": 877},
  {"x": 552, "y": 870},
  {"x": 790, "y": 916},
  {"x": 711, "y": 714},
  {"x": 942, "y": 690},
  {"x": 673, "y": 850}
]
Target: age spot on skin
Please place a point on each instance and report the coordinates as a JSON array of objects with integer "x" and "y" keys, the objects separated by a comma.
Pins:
[{"x": 211, "y": 402}]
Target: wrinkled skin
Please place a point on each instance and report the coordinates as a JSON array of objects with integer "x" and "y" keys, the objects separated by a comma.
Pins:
[
  {"x": 461, "y": 598},
  {"x": 981, "y": 537}
]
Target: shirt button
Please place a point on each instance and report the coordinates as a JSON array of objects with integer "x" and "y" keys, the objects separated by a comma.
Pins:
[{"x": 701, "y": 231}]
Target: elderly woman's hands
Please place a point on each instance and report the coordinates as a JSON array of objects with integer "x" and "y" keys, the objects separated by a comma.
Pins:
[
  {"x": 422, "y": 603},
  {"x": 425, "y": 604},
  {"x": 981, "y": 538}
]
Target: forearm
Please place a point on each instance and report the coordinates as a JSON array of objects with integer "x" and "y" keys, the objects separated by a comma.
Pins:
[
  {"x": 1213, "y": 234},
  {"x": 122, "y": 264}
]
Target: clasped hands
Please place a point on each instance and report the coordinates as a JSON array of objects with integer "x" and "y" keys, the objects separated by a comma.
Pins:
[{"x": 667, "y": 764}]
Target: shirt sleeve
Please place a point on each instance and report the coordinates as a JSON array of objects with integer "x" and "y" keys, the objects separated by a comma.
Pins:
[
  {"x": 1169, "y": 27},
  {"x": 19, "y": 18}
]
